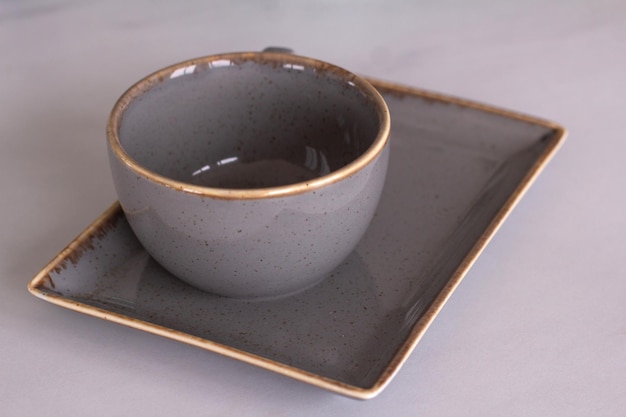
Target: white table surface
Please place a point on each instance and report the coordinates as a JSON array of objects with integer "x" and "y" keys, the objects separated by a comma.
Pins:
[{"x": 538, "y": 326}]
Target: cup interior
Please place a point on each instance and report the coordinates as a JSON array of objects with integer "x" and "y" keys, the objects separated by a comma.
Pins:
[{"x": 246, "y": 123}]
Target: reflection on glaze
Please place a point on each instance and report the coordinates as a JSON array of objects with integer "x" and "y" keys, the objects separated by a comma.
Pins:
[
  {"x": 183, "y": 71},
  {"x": 234, "y": 173},
  {"x": 294, "y": 67},
  {"x": 220, "y": 63}
]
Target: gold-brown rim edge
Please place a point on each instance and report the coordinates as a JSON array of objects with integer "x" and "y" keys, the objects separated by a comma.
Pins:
[
  {"x": 148, "y": 82},
  {"x": 418, "y": 329}
]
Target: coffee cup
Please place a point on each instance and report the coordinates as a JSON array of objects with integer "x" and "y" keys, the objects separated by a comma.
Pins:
[{"x": 249, "y": 175}]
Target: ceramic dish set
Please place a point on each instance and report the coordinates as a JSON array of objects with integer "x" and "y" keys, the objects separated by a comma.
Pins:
[{"x": 456, "y": 169}]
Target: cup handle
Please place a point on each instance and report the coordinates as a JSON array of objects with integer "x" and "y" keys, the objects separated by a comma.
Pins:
[{"x": 278, "y": 49}]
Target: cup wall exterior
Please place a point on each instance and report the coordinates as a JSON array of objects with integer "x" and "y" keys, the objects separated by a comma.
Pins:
[{"x": 247, "y": 248}]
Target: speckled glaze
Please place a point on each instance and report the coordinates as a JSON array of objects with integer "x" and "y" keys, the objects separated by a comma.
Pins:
[{"x": 250, "y": 175}]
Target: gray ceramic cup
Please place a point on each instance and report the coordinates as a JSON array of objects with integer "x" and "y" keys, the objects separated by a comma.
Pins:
[{"x": 249, "y": 174}]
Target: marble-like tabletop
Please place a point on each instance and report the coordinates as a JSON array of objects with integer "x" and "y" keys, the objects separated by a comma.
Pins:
[{"x": 538, "y": 325}]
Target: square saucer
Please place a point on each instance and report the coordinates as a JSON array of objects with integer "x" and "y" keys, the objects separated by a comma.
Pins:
[{"x": 457, "y": 169}]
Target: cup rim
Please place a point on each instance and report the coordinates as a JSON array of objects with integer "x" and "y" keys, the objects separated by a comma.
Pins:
[{"x": 160, "y": 76}]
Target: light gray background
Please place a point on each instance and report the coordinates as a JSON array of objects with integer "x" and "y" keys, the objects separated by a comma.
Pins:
[{"x": 538, "y": 326}]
